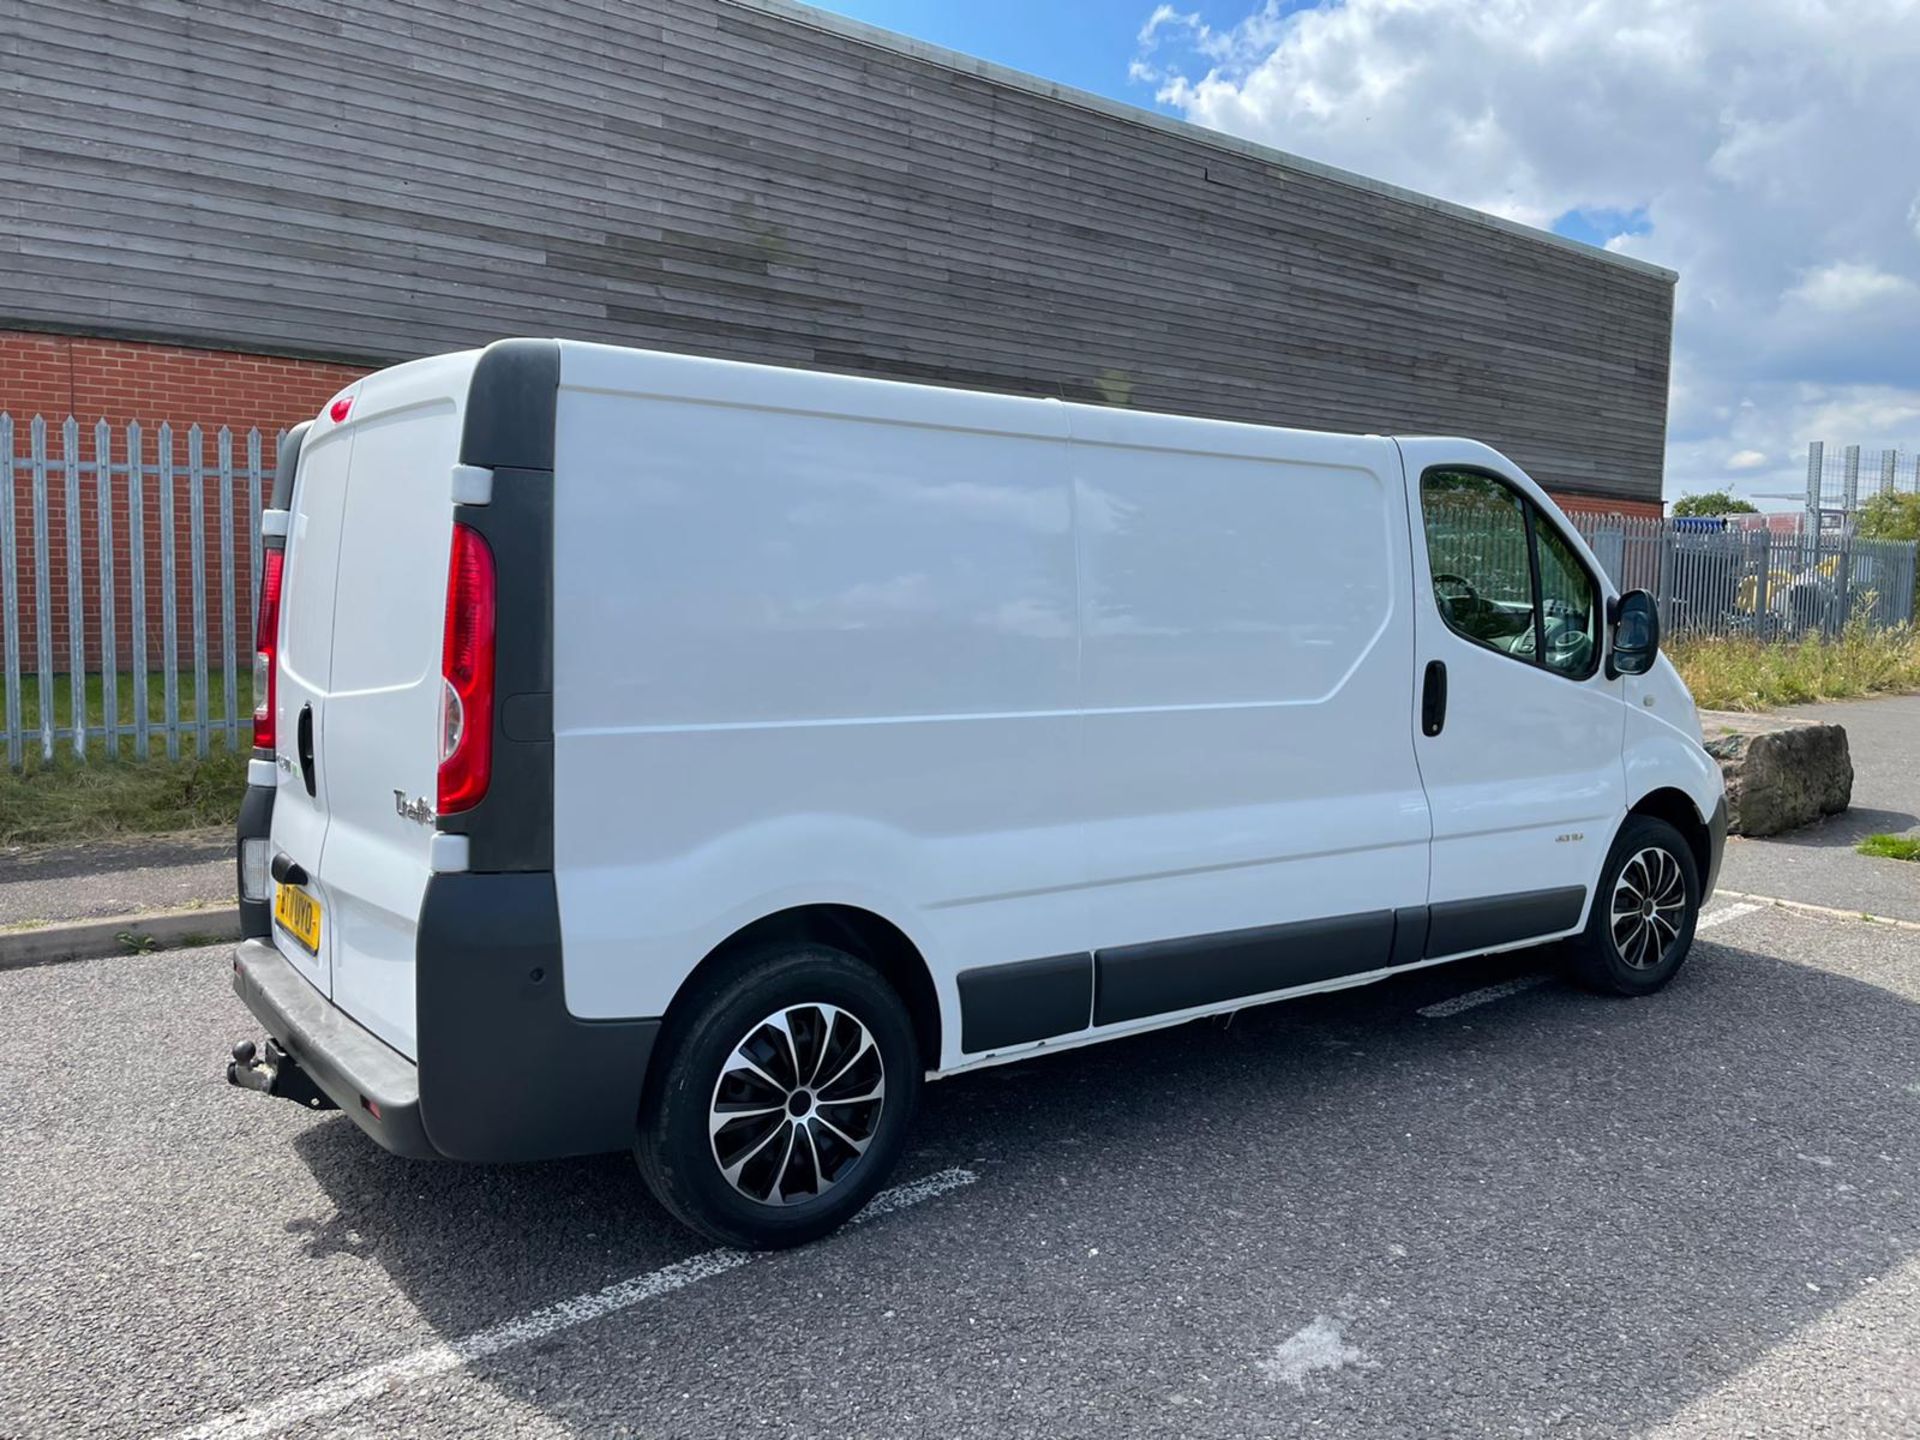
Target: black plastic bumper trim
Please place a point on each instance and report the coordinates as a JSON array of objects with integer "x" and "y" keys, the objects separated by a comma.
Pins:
[
  {"x": 349, "y": 1063},
  {"x": 256, "y": 823},
  {"x": 1716, "y": 850},
  {"x": 507, "y": 1072}
]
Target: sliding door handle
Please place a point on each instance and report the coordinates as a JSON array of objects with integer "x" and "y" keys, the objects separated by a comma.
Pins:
[{"x": 1433, "y": 699}]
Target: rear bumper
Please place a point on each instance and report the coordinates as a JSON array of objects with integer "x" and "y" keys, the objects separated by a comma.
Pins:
[
  {"x": 1716, "y": 849},
  {"x": 377, "y": 1087}
]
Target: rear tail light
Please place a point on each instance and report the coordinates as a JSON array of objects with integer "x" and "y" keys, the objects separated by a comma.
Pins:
[
  {"x": 266, "y": 646},
  {"x": 466, "y": 670}
]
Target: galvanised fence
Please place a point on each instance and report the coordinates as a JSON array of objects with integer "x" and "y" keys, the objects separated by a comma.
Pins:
[
  {"x": 129, "y": 574},
  {"x": 1739, "y": 576},
  {"x": 130, "y": 565}
]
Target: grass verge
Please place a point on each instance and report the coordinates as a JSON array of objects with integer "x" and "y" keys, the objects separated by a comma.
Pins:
[
  {"x": 1734, "y": 673},
  {"x": 69, "y": 801},
  {"x": 1891, "y": 847}
]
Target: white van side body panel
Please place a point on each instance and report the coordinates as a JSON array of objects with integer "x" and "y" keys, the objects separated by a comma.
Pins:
[
  {"x": 1247, "y": 676},
  {"x": 964, "y": 661},
  {"x": 813, "y": 644}
]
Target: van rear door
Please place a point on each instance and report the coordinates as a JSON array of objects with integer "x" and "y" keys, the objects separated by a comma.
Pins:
[
  {"x": 305, "y": 667},
  {"x": 376, "y": 734}
]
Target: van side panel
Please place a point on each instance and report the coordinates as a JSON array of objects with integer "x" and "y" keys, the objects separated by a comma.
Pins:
[
  {"x": 1254, "y": 810},
  {"x": 814, "y": 642}
]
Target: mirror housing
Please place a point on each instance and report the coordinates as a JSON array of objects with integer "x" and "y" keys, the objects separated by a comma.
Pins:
[{"x": 1636, "y": 634}]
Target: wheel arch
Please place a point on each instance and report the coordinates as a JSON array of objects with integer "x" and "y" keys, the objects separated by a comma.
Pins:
[
  {"x": 862, "y": 933},
  {"x": 1677, "y": 808}
]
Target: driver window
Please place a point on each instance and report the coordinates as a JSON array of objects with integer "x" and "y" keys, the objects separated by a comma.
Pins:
[
  {"x": 1484, "y": 579},
  {"x": 1477, "y": 546},
  {"x": 1570, "y": 604}
]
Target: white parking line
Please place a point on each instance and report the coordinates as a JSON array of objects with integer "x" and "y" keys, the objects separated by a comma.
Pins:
[
  {"x": 332, "y": 1396},
  {"x": 1440, "y": 1009},
  {"x": 1721, "y": 916}
]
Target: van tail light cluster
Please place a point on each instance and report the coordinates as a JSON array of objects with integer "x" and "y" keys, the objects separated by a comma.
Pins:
[
  {"x": 466, "y": 671},
  {"x": 266, "y": 648}
]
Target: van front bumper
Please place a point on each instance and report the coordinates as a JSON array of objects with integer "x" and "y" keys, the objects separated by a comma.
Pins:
[
  {"x": 1716, "y": 849},
  {"x": 377, "y": 1086}
]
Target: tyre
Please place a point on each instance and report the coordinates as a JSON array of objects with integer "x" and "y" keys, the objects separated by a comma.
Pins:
[
  {"x": 780, "y": 1098},
  {"x": 1642, "y": 917}
]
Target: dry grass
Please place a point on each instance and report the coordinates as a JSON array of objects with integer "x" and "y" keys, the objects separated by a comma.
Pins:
[{"x": 1731, "y": 673}]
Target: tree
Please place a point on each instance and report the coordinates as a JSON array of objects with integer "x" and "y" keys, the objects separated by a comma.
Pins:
[
  {"x": 1889, "y": 516},
  {"x": 1714, "y": 502}
]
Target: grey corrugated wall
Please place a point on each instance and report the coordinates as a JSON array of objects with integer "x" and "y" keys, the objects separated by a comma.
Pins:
[{"x": 369, "y": 182}]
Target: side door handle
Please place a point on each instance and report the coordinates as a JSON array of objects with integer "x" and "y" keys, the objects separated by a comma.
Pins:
[
  {"x": 303, "y": 740},
  {"x": 1433, "y": 699}
]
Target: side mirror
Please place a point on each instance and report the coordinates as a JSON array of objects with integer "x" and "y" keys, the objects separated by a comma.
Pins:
[{"x": 1636, "y": 634}]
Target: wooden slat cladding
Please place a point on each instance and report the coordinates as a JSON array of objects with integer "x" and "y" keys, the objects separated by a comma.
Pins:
[{"x": 373, "y": 183}]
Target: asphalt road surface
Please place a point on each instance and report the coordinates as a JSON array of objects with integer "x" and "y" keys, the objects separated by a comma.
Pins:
[{"x": 1471, "y": 1201}]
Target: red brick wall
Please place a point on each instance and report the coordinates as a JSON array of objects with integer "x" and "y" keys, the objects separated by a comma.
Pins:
[{"x": 56, "y": 376}]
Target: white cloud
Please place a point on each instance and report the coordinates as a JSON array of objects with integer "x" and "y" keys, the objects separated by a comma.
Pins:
[
  {"x": 1767, "y": 146},
  {"x": 1747, "y": 460},
  {"x": 1847, "y": 286}
]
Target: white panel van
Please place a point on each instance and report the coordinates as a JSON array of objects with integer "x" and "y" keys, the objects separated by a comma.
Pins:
[{"x": 692, "y": 757}]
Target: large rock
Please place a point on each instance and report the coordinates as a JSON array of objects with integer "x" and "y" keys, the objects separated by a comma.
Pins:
[{"x": 1780, "y": 773}]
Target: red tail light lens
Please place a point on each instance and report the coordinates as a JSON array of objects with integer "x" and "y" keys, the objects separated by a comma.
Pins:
[
  {"x": 266, "y": 648},
  {"x": 466, "y": 669}
]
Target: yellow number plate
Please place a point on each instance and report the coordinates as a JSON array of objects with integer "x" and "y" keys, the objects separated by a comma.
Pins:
[{"x": 298, "y": 914}]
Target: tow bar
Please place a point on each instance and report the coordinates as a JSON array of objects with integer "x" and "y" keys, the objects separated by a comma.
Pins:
[{"x": 275, "y": 1073}]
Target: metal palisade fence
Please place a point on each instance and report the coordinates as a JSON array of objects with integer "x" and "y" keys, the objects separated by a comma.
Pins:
[
  {"x": 1741, "y": 576},
  {"x": 129, "y": 578},
  {"x": 129, "y": 585}
]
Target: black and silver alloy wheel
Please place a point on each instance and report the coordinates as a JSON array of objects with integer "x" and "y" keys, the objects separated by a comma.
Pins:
[
  {"x": 1640, "y": 924},
  {"x": 1649, "y": 908},
  {"x": 797, "y": 1103},
  {"x": 779, "y": 1094}
]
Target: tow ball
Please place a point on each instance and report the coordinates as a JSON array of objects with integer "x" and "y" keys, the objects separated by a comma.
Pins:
[{"x": 275, "y": 1072}]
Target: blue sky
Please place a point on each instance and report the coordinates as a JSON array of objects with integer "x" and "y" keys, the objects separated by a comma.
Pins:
[
  {"x": 1764, "y": 150},
  {"x": 1086, "y": 43}
]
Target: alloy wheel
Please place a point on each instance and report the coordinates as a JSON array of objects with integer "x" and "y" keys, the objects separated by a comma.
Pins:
[
  {"x": 797, "y": 1103},
  {"x": 1649, "y": 908}
]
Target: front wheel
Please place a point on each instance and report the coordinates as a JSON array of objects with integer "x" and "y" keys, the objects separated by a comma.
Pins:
[
  {"x": 1642, "y": 918},
  {"x": 782, "y": 1097}
]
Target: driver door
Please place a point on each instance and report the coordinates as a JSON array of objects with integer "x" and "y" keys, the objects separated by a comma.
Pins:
[{"x": 1520, "y": 755}]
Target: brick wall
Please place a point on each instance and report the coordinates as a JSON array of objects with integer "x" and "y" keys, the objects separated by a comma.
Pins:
[{"x": 56, "y": 376}]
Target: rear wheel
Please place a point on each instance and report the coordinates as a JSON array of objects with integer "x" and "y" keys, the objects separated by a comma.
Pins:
[
  {"x": 782, "y": 1097},
  {"x": 1641, "y": 923}
]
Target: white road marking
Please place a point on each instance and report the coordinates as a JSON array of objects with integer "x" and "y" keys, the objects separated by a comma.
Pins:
[
  {"x": 332, "y": 1396},
  {"x": 1441, "y": 1009},
  {"x": 1721, "y": 916},
  {"x": 1317, "y": 1347}
]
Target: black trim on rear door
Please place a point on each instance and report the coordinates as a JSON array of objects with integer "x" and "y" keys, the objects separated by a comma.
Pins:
[
  {"x": 1029, "y": 1000},
  {"x": 1468, "y": 927},
  {"x": 509, "y": 429}
]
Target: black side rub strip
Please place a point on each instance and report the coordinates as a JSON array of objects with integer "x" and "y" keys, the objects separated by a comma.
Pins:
[
  {"x": 1002, "y": 1005},
  {"x": 1466, "y": 927},
  {"x": 1135, "y": 981},
  {"x": 1030, "y": 1000}
]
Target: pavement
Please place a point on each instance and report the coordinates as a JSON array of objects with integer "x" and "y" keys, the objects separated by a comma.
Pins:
[
  {"x": 1467, "y": 1201},
  {"x": 1817, "y": 864},
  {"x": 52, "y": 884}
]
